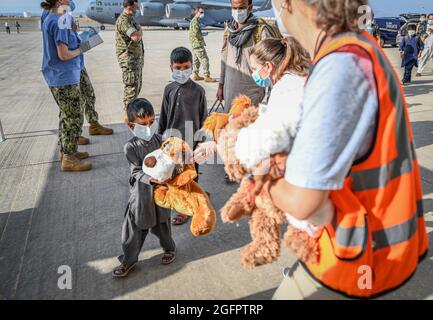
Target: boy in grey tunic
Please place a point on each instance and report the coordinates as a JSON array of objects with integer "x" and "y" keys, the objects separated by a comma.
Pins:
[{"x": 142, "y": 214}]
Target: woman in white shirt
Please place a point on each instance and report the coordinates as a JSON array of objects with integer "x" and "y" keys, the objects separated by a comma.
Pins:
[{"x": 282, "y": 65}]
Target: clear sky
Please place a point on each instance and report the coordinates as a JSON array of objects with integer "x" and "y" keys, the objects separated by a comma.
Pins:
[{"x": 381, "y": 7}]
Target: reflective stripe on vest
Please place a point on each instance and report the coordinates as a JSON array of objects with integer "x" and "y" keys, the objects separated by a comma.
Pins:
[{"x": 352, "y": 237}]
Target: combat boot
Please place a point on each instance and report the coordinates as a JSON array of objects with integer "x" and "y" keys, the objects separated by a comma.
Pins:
[
  {"x": 82, "y": 141},
  {"x": 79, "y": 155},
  {"x": 125, "y": 117},
  {"x": 209, "y": 79},
  {"x": 96, "y": 129},
  {"x": 196, "y": 77},
  {"x": 70, "y": 163}
]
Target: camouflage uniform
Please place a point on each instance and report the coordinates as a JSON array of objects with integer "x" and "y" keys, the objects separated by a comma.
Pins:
[
  {"x": 198, "y": 47},
  {"x": 130, "y": 55},
  {"x": 87, "y": 98},
  {"x": 70, "y": 116}
]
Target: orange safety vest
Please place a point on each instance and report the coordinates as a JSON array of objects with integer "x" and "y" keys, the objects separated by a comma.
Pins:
[{"x": 378, "y": 235}]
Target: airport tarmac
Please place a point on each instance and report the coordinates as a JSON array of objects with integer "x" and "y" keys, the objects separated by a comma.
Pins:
[{"x": 50, "y": 219}]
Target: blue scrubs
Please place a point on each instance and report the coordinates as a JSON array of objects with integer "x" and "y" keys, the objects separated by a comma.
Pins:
[{"x": 59, "y": 73}]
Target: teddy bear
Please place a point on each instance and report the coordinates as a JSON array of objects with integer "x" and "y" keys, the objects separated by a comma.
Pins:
[
  {"x": 173, "y": 163},
  {"x": 253, "y": 200}
]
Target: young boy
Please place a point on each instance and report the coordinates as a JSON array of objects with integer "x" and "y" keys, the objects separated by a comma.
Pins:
[
  {"x": 410, "y": 47},
  {"x": 142, "y": 214},
  {"x": 184, "y": 107}
]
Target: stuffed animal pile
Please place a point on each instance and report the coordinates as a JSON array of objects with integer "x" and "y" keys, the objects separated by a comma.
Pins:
[
  {"x": 253, "y": 200},
  {"x": 173, "y": 163}
]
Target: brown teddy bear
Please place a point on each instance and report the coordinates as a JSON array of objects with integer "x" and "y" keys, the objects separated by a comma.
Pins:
[
  {"x": 253, "y": 200},
  {"x": 173, "y": 163}
]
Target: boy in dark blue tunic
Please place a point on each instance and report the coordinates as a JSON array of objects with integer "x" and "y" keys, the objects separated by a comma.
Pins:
[
  {"x": 410, "y": 47},
  {"x": 142, "y": 214}
]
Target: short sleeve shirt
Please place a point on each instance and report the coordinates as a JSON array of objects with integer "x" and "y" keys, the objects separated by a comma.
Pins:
[
  {"x": 128, "y": 51},
  {"x": 58, "y": 73},
  {"x": 337, "y": 123}
]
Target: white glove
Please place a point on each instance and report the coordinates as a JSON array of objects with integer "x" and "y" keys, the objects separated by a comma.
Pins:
[{"x": 204, "y": 151}]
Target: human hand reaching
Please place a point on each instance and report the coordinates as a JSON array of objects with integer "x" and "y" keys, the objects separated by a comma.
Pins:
[{"x": 204, "y": 151}]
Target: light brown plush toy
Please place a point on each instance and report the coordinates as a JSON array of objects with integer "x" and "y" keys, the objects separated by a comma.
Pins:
[
  {"x": 253, "y": 200},
  {"x": 180, "y": 192}
]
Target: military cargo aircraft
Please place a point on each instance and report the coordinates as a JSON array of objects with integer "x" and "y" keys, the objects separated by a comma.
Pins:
[{"x": 168, "y": 13}]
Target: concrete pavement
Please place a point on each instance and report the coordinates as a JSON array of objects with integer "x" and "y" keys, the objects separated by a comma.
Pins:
[{"x": 49, "y": 219}]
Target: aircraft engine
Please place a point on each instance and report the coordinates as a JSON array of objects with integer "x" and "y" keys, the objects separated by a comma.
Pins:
[
  {"x": 152, "y": 9},
  {"x": 178, "y": 11}
]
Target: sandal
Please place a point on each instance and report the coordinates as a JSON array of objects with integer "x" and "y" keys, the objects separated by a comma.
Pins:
[
  {"x": 180, "y": 219},
  {"x": 122, "y": 270},
  {"x": 168, "y": 257}
]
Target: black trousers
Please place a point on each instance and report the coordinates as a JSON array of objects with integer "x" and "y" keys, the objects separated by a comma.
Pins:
[{"x": 133, "y": 239}]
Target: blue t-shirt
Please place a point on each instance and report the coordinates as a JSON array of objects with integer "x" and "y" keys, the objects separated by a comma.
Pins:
[
  {"x": 59, "y": 73},
  {"x": 45, "y": 14}
]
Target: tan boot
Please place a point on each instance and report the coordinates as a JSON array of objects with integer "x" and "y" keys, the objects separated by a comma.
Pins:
[
  {"x": 196, "y": 77},
  {"x": 96, "y": 129},
  {"x": 79, "y": 155},
  {"x": 70, "y": 163},
  {"x": 209, "y": 79},
  {"x": 125, "y": 117},
  {"x": 82, "y": 141}
]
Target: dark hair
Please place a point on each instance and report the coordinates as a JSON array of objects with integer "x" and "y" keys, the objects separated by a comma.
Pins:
[
  {"x": 411, "y": 27},
  {"x": 285, "y": 54},
  {"x": 139, "y": 107},
  {"x": 180, "y": 55},
  {"x": 48, "y": 4},
  {"x": 128, "y": 3},
  {"x": 250, "y": 2}
]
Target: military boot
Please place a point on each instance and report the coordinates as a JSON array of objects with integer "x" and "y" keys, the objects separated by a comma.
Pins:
[
  {"x": 196, "y": 77},
  {"x": 79, "y": 155},
  {"x": 209, "y": 79},
  {"x": 96, "y": 129},
  {"x": 83, "y": 141},
  {"x": 125, "y": 117},
  {"x": 70, "y": 163}
]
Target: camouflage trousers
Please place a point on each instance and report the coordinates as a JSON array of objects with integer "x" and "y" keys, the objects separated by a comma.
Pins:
[
  {"x": 87, "y": 98},
  {"x": 74, "y": 102},
  {"x": 132, "y": 81},
  {"x": 70, "y": 116},
  {"x": 201, "y": 59}
]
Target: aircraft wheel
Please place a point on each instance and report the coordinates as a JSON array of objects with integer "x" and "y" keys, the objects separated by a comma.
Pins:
[{"x": 102, "y": 27}]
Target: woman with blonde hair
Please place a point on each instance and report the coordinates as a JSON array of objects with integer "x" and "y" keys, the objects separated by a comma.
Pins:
[
  {"x": 355, "y": 147},
  {"x": 282, "y": 65}
]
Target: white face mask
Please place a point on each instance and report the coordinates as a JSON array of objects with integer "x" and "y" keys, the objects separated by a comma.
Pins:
[
  {"x": 430, "y": 22},
  {"x": 240, "y": 15},
  {"x": 280, "y": 24},
  {"x": 181, "y": 76},
  {"x": 411, "y": 33},
  {"x": 144, "y": 132}
]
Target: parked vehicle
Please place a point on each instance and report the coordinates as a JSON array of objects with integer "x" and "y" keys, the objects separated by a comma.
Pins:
[{"x": 389, "y": 28}]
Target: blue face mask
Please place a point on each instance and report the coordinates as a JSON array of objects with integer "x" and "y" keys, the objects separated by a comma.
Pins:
[
  {"x": 144, "y": 132},
  {"x": 202, "y": 15},
  {"x": 264, "y": 83},
  {"x": 181, "y": 76}
]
